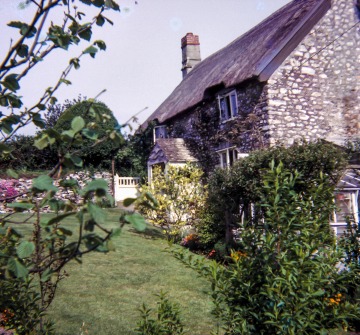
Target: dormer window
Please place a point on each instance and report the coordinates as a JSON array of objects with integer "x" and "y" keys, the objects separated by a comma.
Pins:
[
  {"x": 159, "y": 132},
  {"x": 228, "y": 106}
]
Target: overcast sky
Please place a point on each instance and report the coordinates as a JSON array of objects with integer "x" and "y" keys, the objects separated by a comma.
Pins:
[{"x": 142, "y": 63}]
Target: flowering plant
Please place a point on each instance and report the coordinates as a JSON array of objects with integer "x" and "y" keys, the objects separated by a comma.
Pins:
[{"x": 7, "y": 190}]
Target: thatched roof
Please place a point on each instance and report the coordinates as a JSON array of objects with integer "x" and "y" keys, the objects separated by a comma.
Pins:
[
  {"x": 254, "y": 55},
  {"x": 172, "y": 150}
]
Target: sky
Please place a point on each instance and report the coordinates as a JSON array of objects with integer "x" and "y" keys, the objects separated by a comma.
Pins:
[{"x": 142, "y": 63}]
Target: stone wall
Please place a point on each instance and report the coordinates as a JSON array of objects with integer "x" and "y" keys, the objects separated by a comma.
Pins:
[
  {"x": 204, "y": 133},
  {"x": 316, "y": 92},
  {"x": 22, "y": 185}
]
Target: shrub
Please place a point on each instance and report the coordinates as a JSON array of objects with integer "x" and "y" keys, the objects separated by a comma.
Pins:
[
  {"x": 180, "y": 196},
  {"x": 167, "y": 319},
  {"x": 285, "y": 279},
  {"x": 235, "y": 193}
]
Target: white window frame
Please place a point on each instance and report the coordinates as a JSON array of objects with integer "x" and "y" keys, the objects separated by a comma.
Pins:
[
  {"x": 162, "y": 130},
  {"x": 228, "y": 156},
  {"x": 228, "y": 106}
]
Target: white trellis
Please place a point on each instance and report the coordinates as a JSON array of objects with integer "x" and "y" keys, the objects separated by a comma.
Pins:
[{"x": 126, "y": 187}]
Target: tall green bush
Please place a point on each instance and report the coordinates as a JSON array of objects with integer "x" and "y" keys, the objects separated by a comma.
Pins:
[
  {"x": 235, "y": 192},
  {"x": 100, "y": 120},
  {"x": 284, "y": 279},
  {"x": 180, "y": 196}
]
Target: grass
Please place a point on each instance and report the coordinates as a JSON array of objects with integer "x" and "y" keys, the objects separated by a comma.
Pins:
[{"x": 106, "y": 290}]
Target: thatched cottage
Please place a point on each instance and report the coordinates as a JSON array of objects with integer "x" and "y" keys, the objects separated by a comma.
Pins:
[{"x": 295, "y": 75}]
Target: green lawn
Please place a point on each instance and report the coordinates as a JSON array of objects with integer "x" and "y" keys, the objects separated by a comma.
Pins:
[{"x": 106, "y": 290}]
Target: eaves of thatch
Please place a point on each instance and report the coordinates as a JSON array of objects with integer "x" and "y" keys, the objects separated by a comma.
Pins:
[
  {"x": 254, "y": 55},
  {"x": 170, "y": 150}
]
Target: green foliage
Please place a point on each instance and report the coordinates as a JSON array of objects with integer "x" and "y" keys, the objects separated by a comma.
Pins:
[
  {"x": 90, "y": 121},
  {"x": 284, "y": 278},
  {"x": 350, "y": 244},
  {"x": 179, "y": 196},
  {"x": 31, "y": 268},
  {"x": 131, "y": 160},
  {"x": 242, "y": 187},
  {"x": 167, "y": 320},
  {"x": 25, "y": 156}
]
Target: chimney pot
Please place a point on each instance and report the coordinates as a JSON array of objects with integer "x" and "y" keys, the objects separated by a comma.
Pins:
[{"x": 190, "y": 46}]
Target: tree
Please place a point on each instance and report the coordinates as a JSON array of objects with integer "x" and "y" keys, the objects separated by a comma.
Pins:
[
  {"x": 132, "y": 159},
  {"x": 54, "y": 111},
  {"x": 31, "y": 267},
  {"x": 100, "y": 123}
]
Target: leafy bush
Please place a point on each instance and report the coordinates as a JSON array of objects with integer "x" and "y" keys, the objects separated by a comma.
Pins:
[
  {"x": 285, "y": 278},
  {"x": 167, "y": 319},
  {"x": 180, "y": 196},
  {"x": 101, "y": 122},
  {"x": 235, "y": 193}
]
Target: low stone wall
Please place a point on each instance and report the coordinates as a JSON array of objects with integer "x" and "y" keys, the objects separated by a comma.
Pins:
[{"x": 22, "y": 185}]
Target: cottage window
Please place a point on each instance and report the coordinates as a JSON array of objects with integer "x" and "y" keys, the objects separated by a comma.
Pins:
[
  {"x": 229, "y": 156},
  {"x": 159, "y": 132},
  {"x": 228, "y": 106}
]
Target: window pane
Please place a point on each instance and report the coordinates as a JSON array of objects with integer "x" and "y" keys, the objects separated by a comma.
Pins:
[
  {"x": 231, "y": 157},
  {"x": 344, "y": 206},
  {"x": 224, "y": 160},
  {"x": 222, "y": 109},
  {"x": 233, "y": 104}
]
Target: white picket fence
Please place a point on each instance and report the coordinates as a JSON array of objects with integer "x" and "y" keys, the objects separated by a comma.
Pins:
[{"x": 126, "y": 187}]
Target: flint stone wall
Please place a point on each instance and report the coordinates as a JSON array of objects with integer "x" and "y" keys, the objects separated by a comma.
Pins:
[
  {"x": 316, "y": 92},
  {"x": 22, "y": 185}
]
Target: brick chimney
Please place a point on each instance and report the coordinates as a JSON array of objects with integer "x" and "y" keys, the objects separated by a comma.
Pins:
[{"x": 190, "y": 47}]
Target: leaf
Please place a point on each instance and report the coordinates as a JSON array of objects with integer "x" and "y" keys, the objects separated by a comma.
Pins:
[
  {"x": 136, "y": 220},
  {"x": 42, "y": 142},
  {"x": 25, "y": 29},
  {"x": 56, "y": 219},
  {"x": 90, "y": 134},
  {"x": 85, "y": 33},
  {"x": 76, "y": 160},
  {"x": 17, "y": 268},
  {"x": 11, "y": 82},
  {"x": 14, "y": 100},
  {"x": 128, "y": 201},
  {"x": 101, "y": 44},
  {"x": 95, "y": 185},
  {"x": 100, "y": 20},
  {"x": 37, "y": 120},
  {"x": 68, "y": 134},
  {"x": 77, "y": 124},
  {"x": 43, "y": 183},
  {"x": 63, "y": 231},
  {"x": 90, "y": 50},
  {"x": 20, "y": 206},
  {"x": 5, "y": 149},
  {"x": 65, "y": 81},
  {"x": 69, "y": 183},
  {"x": 46, "y": 275},
  {"x": 112, "y": 4},
  {"x": 116, "y": 232},
  {"x": 25, "y": 249},
  {"x": 22, "y": 50},
  {"x": 97, "y": 214},
  {"x": 75, "y": 62}
]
